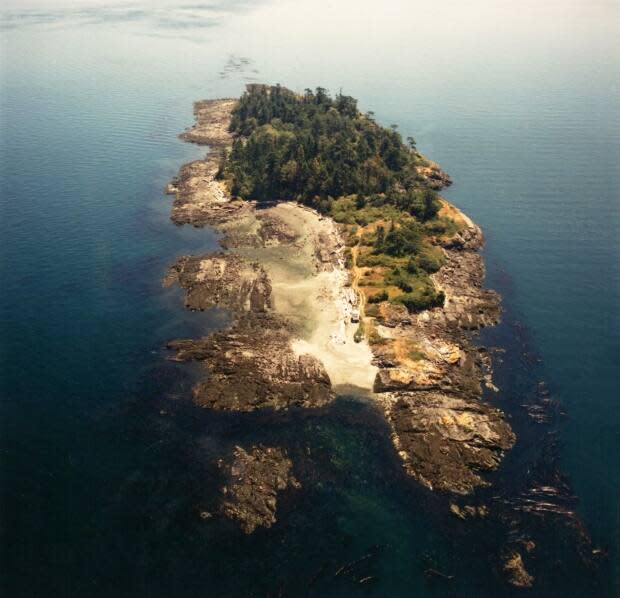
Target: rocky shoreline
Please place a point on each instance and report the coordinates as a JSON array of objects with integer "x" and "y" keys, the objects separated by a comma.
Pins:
[{"x": 282, "y": 270}]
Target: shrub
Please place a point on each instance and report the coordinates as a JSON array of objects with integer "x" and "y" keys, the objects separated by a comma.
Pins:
[
  {"x": 405, "y": 239},
  {"x": 416, "y": 355},
  {"x": 374, "y": 338},
  {"x": 430, "y": 260},
  {"x": 412, "y": 267},
  {"x": 419, "y": 301},
  {"x": 378, "y": 297},
  {"x": 348, "y": 258}
]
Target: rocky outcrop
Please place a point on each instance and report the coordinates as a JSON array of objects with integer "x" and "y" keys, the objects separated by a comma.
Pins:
[
  {"x": 469, "y": 511},
  {"x": 212, "y": 123},
  {"x": 200, "y": 199},
  {"x": 222, "y": 279},
  {"x": 468, "y": 305},
  {"x": 430, "y": 374},
  {"x": 252, "y": 366},
  {"x": 445, "y": 441},
  {"x": 393, "y": 314},
  {"x": 468, "y": 237},
  {"x": 433, "y": 176},
  {"x": 516, "y": 572},
  {"x": 253, "y": 480}
]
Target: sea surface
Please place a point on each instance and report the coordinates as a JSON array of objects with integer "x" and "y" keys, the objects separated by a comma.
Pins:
[{"x": 103, "y": 461}]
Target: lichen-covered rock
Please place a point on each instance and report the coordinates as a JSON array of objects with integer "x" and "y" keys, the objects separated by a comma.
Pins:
[
  {"x": 468, "y": 237},
  {"x": 252, "y": 481},
  {"x": 393, "y": 314},
  {"x": 445, "y": 441},
  {"x": 401, "y": 378}
]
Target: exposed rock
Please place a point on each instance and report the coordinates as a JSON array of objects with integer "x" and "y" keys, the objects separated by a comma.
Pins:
[
  {"x": 400, "y": 378},
  {"x": 393, "y": 314},
  {"x": 252, "y": 366},
  {"x": 212, "y": 123},
  {"x": 202, "y": 200},
  {"x": 517, "y": 574},
  {"x": 223, "y": 279},
  {"x": 252, "y": 482},
  {"x": 440, "y": 365},
  {"x": 467, "y": 305},
  {"x": 444, "y": 440},
  {"x": 469, "y": 237},
  {"x": 274, "y": 231},
  {"x": 469, "y": 511},
  {"x": 529, "y": 545},
  {"x": 434, "y": 176}
]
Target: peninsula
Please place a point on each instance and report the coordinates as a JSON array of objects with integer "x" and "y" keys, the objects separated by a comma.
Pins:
[{"x": 345, "y": 271}]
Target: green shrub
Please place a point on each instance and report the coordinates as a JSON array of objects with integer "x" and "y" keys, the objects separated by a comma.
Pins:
[
  {"x": 370, "y": 260},
  {"x": 430, "y": 260},
  {"x": 348, "y": 258},
  {"x": 412, "y": 267},
  {"x": 398, "y": 241},
  {"x": 441, "y": 226},
  {"x": 419, "y": 301},
  {"x": 378, "y": 297}
]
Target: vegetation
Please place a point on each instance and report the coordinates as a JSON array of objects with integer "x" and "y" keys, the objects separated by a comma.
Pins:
[
  {"x": 322, "y": 151},
  {"x": 313, "y": 148},
  {"x": 416, "y": 355},
  {"x": 359, "y": 333}
]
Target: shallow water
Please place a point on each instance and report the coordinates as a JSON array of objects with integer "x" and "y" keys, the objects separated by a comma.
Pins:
[{"x": 101, "y": 474}]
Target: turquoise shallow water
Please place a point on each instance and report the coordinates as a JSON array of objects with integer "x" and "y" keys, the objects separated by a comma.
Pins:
[{"x": 518, "y": 104}]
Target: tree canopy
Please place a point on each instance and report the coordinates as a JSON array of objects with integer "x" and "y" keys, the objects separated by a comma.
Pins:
[{"x": 312, "y": 147}]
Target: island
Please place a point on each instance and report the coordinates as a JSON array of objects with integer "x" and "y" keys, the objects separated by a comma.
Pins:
[{"x": 345, "y": 272}]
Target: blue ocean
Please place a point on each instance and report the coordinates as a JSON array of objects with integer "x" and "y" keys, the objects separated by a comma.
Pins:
[{"x": 103, "y": 462}]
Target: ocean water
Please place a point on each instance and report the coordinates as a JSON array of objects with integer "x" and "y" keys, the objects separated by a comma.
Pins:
[{"x": 105, "y": 466}]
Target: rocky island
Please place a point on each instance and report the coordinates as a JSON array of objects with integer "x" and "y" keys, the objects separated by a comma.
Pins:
[{"x": 343, "y": 269}]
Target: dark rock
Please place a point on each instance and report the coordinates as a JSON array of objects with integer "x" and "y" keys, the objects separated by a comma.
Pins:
[
  {"x": 253, "y": 481},
  {"x": 223, "y": 279},
  {"x": 445, "y": 441},
  {"x": 252, "y": 366}
]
